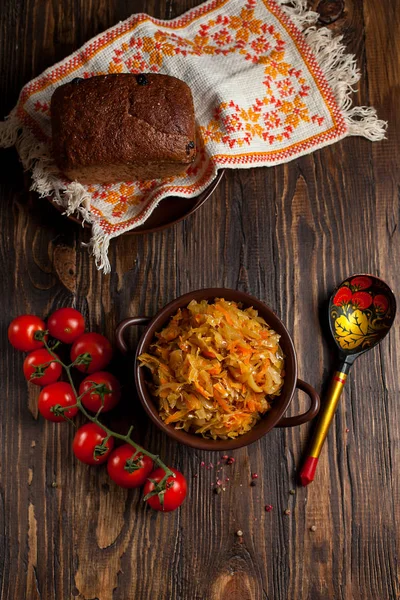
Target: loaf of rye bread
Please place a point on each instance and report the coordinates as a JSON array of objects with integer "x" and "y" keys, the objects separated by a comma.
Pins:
[{"x": 114, "y": 128}]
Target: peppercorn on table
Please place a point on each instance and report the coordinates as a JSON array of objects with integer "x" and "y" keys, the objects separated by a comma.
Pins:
[{"x": 287, "y": 235}]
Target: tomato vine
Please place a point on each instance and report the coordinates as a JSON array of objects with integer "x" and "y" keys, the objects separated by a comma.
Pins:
[{"x": 160, "y": 487}]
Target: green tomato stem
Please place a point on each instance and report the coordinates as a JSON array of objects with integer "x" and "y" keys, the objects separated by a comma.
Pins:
[{"x": 62, "y": 409}]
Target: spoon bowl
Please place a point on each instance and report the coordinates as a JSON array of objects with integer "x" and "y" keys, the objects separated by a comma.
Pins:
[{"x": 361, "y": 312}]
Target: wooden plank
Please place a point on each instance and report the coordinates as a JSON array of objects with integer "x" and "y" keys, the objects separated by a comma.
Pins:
[{"x": 288, "y": 235}]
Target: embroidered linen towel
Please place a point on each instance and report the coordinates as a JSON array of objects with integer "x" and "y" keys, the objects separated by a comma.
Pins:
[{"x": 268, "y": 86}]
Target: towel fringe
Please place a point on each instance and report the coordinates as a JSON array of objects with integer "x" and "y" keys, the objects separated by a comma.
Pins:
[
  {"x": 9, "y": 130},
  {"x": 340, "y": 70},
  {"x": 98, "y": 248},
  {"x": 78, "y": 200},
  {"x": 299, "y": 12},
  {"x": 35, "y": 156}
]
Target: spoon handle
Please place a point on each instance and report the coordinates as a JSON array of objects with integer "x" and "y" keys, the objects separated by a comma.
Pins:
[{"x": 327, "y": 412}]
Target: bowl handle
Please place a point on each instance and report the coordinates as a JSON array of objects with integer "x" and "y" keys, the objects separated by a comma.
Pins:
[
  {"x": 123, "y": 326},
  {"x": 307, "y": 416}
]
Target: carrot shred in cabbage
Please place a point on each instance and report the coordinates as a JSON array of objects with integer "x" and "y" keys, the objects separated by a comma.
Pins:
[{"x": 215, "y": 369}]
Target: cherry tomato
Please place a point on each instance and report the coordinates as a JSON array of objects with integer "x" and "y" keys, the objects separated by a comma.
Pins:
[
  {"x": 21, "y": 332},
  {"x": 97, "y": 346},
  {"x": 85, "y": 441},
  {"x": 55, "y": 395},
  {"x": 174, "y": 495},
  {"x": 126, "y": 471},
  {"x": 92, "y": 401},
  {"x": 51, "y": 372},
  {"x": 66, "y": 325}
]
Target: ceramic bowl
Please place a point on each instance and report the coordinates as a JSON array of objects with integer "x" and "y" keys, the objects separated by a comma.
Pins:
[{"x": 273, "y": 418}]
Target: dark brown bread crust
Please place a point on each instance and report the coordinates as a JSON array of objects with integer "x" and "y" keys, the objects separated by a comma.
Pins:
[{"x": 113, "y": 128}]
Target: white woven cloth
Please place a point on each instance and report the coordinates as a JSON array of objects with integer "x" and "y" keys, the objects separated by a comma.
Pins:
[{"x": 268, "y": 86}]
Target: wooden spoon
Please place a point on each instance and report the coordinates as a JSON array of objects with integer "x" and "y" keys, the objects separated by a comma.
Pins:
[{"x": 361, "y": 312}]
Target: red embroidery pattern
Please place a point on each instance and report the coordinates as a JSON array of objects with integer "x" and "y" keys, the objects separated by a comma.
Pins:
[{"x": 273, "y": 117}]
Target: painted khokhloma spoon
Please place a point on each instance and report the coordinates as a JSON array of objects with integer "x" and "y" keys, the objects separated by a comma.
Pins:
[{"x": 361, "y": 312}]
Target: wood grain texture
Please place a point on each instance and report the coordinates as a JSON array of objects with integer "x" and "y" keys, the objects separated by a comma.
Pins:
[{"x": 288, "y": 235}]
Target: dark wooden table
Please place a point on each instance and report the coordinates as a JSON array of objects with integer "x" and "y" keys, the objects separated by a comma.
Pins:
[{"x": 288, "y": 235}]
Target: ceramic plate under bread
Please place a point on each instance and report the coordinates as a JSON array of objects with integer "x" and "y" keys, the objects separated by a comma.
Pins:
[{"x": 171, "y": 210}]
